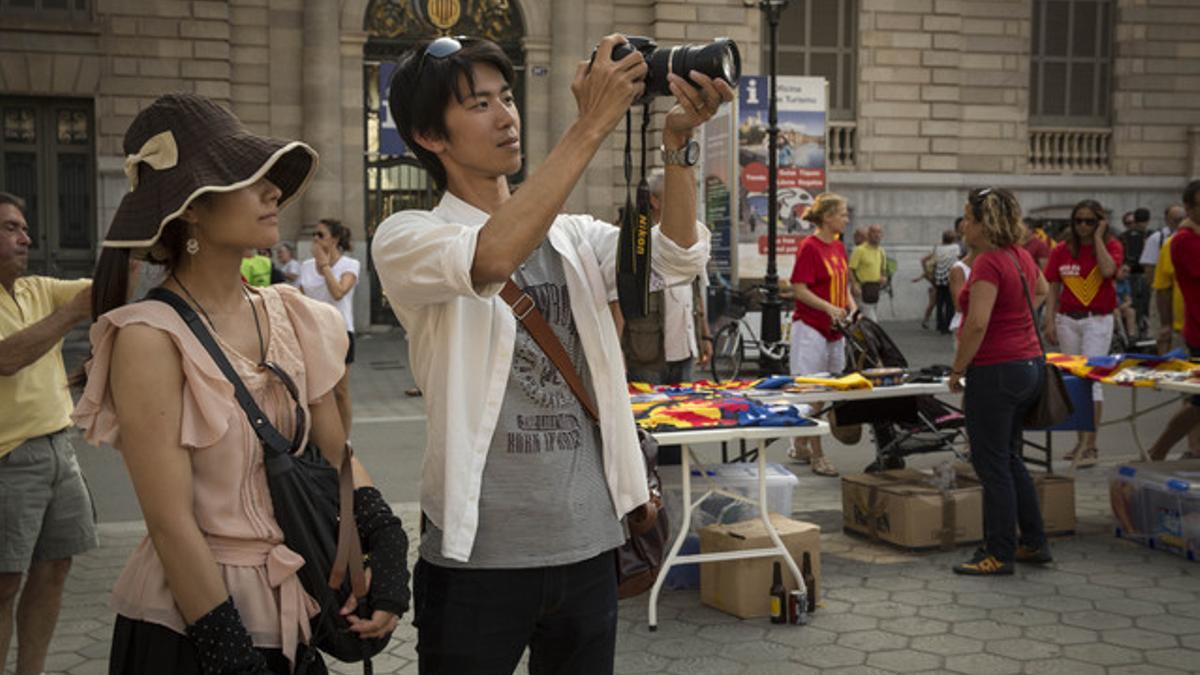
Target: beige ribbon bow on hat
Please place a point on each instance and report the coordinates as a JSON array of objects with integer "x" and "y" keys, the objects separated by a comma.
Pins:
[{"x": 159, "y": 152}]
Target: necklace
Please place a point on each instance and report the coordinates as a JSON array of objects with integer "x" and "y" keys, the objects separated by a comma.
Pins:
[{"x": 262, "y": 346}]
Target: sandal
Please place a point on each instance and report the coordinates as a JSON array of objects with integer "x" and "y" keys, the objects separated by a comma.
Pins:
[
  {"x": 415, "y": 391},
  {"x": 1070, "y": 456},
  {"x": 800, "y": 454},
  {"x": 821, "y": 466},
  {"x": 1088, "y": 458}
]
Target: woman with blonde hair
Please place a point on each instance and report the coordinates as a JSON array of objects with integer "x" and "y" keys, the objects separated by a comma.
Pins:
[
  {"x": 820, "y": 279},
  {"x": 1000, "y": 355}
]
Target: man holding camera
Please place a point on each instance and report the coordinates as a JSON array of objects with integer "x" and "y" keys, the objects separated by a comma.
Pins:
[{"x": 522, "y": 491}]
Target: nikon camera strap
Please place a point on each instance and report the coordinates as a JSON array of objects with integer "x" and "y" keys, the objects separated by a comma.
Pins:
[{"x": 633, "y": 247}]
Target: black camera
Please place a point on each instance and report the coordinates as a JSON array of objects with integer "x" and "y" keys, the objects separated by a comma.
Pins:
[{"x": 718, "y": 59}]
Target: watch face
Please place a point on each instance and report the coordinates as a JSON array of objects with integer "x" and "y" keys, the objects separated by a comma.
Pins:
[{"x": 691, "y": 153}]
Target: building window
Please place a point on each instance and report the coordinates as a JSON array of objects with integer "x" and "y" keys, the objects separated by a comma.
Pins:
[
  {"x": 817, "y": 38},
  {"x": 47, "y": 9},
  {"x": 1071, "y": 64}
]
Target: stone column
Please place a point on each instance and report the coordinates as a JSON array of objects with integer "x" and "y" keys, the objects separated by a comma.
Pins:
[
  {"x": 539, "y": 132},
  {"x": 567, "y": 37},
  {"x": 1193, "y": 153},
  {"x": 322, "y": 107}
]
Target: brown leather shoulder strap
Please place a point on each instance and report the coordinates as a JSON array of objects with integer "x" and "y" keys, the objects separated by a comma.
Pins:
[
  {"x": 527, "y": 313},
  {"x": 349, "y": 556}
]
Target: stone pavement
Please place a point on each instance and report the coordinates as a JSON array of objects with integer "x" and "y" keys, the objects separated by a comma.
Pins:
[{"x": 1104, "y": 606}]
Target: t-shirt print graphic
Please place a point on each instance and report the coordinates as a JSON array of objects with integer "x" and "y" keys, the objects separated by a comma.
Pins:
[
  {"x": 542, "y": 384},
  {"x": 1084, "y": 288}
]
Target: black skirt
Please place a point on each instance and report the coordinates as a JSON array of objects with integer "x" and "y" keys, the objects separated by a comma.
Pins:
[{"x": 142, "y": 648}]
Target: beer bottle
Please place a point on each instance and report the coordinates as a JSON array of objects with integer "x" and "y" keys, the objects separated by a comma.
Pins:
[
  {"x": 810, "y": 582},
  {"x": 779, "y": 596}
]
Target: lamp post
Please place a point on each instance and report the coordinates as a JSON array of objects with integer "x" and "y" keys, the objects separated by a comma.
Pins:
[{"x": 771, "y": 305}]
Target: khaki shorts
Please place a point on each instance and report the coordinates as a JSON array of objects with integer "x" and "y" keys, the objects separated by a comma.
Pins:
[{"x": 46, "y": 511}]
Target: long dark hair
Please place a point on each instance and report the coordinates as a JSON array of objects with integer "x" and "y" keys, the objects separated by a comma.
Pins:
[
  {"x": 339, "y": 232},
  {"x": 1073, "y": 239}
]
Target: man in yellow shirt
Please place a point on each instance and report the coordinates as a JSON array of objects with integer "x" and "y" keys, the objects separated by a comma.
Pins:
[
  {"x": 1169, "y": 299},
  {"x": 868, "y": 272},
  {"x": 46, "y": 514}
]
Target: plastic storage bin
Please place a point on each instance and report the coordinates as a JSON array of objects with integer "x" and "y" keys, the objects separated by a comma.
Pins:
[
  {"x": 738, "y": 478},
  {"x": 1158, "y": 504}
]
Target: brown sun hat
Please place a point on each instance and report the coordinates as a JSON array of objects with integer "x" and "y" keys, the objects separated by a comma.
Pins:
[{"x": 184, "y": 145}]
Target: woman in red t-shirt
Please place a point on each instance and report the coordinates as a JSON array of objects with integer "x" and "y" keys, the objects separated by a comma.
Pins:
[
  {"x": 1083, "y": 296},
  {"x": 819, "y": 280},
  {"x": 999, "y": 353}
]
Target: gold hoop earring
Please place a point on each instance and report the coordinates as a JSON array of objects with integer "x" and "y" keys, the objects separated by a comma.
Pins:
[{"x": 192, "y": 246}]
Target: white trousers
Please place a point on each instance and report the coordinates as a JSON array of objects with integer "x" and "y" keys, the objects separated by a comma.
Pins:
[
  {"x": 1089, "y": 336},
  {"x": 812, "y": 353}
]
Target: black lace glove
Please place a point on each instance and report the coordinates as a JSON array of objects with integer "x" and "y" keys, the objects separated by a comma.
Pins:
[
  {"x": 223, "y": 645},
  {"x": 383, "y": 538}
]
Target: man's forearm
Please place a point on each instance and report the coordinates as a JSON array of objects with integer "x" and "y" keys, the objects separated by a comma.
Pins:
[
  {"x": 1166, "y": 313},
  {"x": 679, "y": 198},
  {"x": 518, "y": 227},
  {"x": 24, "y": 347}
]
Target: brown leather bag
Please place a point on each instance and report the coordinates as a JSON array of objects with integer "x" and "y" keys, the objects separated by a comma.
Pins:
[
  {"x": 1053, "y": 404},
  {"x": 640, "y": 558}
]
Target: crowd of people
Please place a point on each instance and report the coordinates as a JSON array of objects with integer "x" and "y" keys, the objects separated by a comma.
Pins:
[{"x": 532, "y": 459}]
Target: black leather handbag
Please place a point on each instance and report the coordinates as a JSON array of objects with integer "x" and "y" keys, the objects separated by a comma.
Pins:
[
  {"x": 313, "y": 503},
  {"x": 1053, "y": 404}
]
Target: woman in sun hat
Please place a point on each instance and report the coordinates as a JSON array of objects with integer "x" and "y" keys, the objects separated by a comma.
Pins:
[{"x": 213, "y": 588}]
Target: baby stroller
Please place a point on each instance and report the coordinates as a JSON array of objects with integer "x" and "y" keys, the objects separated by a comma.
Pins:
[{"x": 901, "y": 426}]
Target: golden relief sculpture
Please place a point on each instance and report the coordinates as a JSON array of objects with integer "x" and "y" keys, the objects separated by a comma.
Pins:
[{"x": 497, "y": 20}]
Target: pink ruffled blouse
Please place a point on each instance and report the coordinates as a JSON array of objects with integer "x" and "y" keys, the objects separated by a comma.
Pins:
[{"x": 232, "y": 503}]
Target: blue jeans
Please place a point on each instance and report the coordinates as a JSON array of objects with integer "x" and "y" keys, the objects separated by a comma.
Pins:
[
  {"x": 479, "y": 621},
  {"x": 995, "y": 402}
]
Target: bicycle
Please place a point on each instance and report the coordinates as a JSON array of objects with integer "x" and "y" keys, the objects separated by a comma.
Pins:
[{"x": 730, "y": 343}]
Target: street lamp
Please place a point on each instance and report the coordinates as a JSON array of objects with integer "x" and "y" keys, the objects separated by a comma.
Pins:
[{"x": 771, "y": 305}]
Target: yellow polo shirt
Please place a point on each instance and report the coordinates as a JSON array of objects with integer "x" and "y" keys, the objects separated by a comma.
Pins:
[
  {"x": 1164, "y": 278},
  {"x": 868, "y": 262},
  {"x": 35, "y": 401}
]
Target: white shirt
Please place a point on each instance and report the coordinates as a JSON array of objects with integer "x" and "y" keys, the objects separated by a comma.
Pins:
[
  {"x": 679, "y": 321},
  {"x": 314, "y": 286},
  {"x": 293, "y": 267},
  {"x": 1153, "y": 245},
  {"x": 956, "y": 320},
  {"x": 461, "y": 347}
]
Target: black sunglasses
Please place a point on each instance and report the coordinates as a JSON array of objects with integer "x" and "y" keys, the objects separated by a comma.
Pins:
[
  {"x": 1086, "y": 221},
  {"x": 441, "y": 48}
]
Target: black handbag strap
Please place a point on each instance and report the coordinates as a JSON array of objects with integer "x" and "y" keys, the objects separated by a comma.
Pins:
[
  {"x": 271, "y": 438},
  {"x": 1029, "y": 303},
  {"x": 348, "y": 555}
]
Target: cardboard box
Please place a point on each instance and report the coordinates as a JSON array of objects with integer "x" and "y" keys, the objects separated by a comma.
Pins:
[
  {"x": 901, "y": 507},
  {"x": 1056, "y": 498},
  {"x": 742, "y": 587}
]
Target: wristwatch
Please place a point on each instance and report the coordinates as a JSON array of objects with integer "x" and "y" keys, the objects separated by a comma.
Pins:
[{"x": 688, "y": 155}]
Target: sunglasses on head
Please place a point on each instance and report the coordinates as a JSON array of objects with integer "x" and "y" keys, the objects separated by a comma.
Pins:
[{"x": 441, "y": 48}]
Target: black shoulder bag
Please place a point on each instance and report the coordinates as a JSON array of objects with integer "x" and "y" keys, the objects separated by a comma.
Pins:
[
  {"x": 1053, "y": 404},
  {"x": 313, "y": 504}
]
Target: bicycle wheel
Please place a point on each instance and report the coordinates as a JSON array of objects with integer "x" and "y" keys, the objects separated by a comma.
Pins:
[{"x": 728, "y": 352}]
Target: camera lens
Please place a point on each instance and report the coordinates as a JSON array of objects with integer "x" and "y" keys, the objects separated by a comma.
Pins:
[{"x": 718, "y": 59}]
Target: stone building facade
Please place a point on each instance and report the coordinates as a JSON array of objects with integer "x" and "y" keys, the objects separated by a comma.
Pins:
[{"x": 936, "y": 97}]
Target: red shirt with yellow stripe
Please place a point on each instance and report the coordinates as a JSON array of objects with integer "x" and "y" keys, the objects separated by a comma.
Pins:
[
  {"x": 1084, "y": 288},
  {"x": 822, "y": 267}
]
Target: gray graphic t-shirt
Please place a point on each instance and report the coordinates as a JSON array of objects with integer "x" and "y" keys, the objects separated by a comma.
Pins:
[{"x": 544, "y": 500}]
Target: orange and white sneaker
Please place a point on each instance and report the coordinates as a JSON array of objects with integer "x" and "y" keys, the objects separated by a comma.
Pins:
[{"x": 984, "y": 564}]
